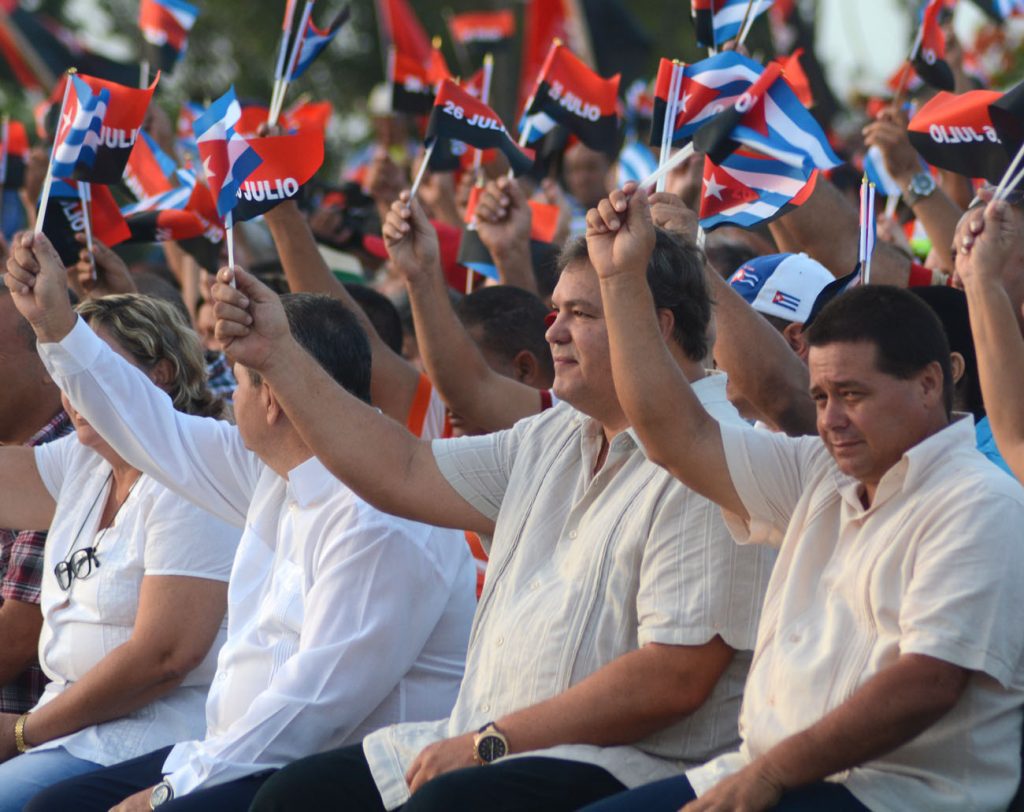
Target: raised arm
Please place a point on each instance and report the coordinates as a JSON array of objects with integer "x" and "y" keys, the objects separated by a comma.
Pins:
[
  {"x": 394, "y": 380},
  {"x": 676, "y": 431},
  {"x": 936, "y": 211},
  {"x": 504, "y": 220},
  {"x": 985, "y": 263},
  {"x": 201, "y": 458},
  {"x": 372, "y": 454},
  {"x": 760, "y": 364},
  {"x": 455, "y": 364},
  {"x": 827, "y": 228}
]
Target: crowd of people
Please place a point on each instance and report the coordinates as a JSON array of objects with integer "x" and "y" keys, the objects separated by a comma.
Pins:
[{"x": 671, "y": 521}]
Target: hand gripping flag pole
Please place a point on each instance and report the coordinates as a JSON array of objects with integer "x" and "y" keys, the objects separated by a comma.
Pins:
[{"x": 48, "y": 182}]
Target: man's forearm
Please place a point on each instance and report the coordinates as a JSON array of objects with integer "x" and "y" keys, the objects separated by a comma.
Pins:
[
  {"x": 889, "y": 710},
  {"x": 1000, "y": 351},
  {"x": 515, "y": 267},
  {"x": 939, "y": 215},
  {"x": 760, "y": 363},
  {"x": 393, "y": 381},
  {"x": 606, "y": 709},
  {"x": 20, "y": 624}
]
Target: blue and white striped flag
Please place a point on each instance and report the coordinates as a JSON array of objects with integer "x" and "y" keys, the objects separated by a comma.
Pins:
[
  {"x": 227, "y": 157},
  {"x": 78, "y": 136}
]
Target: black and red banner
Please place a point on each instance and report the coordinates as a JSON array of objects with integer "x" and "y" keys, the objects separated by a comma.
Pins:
[
  {"x": 930, "y": 56},
  {"x": 458, "y": 116},
  {"x": 575, "y": 96},
  {"x": 162, "y": 226},
  {"x": 65, "y": 218},
  {"x": 413, "y": 84},
  {"x": 956, "y": 132},
  {"x": 486, "y": 29},
  {"x": 289, "y": 163}
]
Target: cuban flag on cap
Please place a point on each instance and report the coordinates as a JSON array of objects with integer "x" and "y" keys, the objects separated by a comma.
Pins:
[
  {"x": 781, "y": 285},
  {"x": 227, "y": 157},
  {"x": 78, "y": 136}
]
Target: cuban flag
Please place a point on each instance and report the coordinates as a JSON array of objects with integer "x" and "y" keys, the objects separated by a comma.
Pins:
[
  {"x": 718, "y": 21},
  {"x": 78, "y": 135},
  {"x": 768, "y": 118},
  {"x": 876, "y": 173},
  {"x": 165, "y": 25},
  {"x": 746, "y": 190},
  {"x": 315, "y": 40},
  {"x": 227, "y": 157}
]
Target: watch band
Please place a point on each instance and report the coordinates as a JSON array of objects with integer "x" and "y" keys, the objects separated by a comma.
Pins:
[
  {"x": 923, "y": 181},
  {"x": 19, "y": 734}
]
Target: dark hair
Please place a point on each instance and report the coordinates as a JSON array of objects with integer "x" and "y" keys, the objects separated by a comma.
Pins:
[
  {"x": 512, "y": 320},
  {"x": 907, "y": 334},
  {"x": 950, "y": 305},
  {"x": 329, "y": 332},
  {"x": 675, "y": 275},
  {"x": 381, "y": 312}
]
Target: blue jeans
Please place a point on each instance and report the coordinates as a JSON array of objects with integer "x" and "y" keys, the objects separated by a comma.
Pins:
[
  {"x": 671, "y": 793},
  {"x": 25, "y": 775}
]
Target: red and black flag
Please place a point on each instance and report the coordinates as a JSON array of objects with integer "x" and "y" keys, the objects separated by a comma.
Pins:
[
  {"x": 573, "y": 95},
  {"x": 165, "y": 25},
  {"x": 930, "y": 55},
  {"x": 126, "y": 109},
  {"x": 414, "y": 84},
  {"x": 460, "y": 117},
  {"x": 308, "y": 115},
  {"x": 482, "y": 31},
  {"x": 65, "y": 219},
  {"x": 956, "y": 132},
  {"x": 289, "y": 163},
  {"x": 13, "y": 154},
  {"x": 164, "y": 225},
  {"x": 403, "y": 30}
]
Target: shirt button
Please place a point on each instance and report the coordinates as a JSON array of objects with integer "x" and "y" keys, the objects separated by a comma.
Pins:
[
  {"x": 572, "y": 534},
  {"x": 221, "y": 676},
  {"x": 500, "y": 641},
  {"x": 534, "y": 586},
  {"x": 486, "y": 708},
  {"x": 292, "y": 506}
]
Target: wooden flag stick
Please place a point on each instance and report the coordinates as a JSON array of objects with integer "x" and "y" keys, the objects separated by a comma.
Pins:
[
  {"x": 485, "y": 97},
  {"x": 669, "y": 125},
  {"x": 422, "y": 170},
  {"x": 293, "y": 60},
  {"x": 229, "y": 236},
  {"x": 85, "y": 197},
  {"x": 44, "y": 198},
  {"x": 1005, "y": 183},
  {"x": 749, "y": 19},
  {"x": 897, "y": 100}
]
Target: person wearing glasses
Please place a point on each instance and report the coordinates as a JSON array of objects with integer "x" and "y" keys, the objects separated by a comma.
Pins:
[{"x": 134, "y": 583}]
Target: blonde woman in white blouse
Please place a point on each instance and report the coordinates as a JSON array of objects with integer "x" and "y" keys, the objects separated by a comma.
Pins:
[{"x": 134, "y": 579}]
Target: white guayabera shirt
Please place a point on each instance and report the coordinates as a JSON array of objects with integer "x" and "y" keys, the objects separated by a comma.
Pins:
[
  {"x": 934, "y": 566},
  {"x": 584, "y": 569},
  {"x": 341, "y": 618}
]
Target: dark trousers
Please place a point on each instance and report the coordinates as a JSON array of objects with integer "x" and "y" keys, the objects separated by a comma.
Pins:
[
  {"x": 670, "y": 794},
  {"x": 340, "y": 781},
  {"x": 99, "y": 791}
]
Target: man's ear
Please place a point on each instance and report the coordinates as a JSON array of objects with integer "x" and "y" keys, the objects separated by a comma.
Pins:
[
  {"x": 794, "y": 335},
  {"x": 666, "y": 323},
  {"x": 272, "y": 407},
  {"x": 958, "y": 365},
  {"x": 932, "y": 381},
  {"x": 526, "y": 368}
]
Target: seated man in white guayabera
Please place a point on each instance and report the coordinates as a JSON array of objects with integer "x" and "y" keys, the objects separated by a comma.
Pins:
[
  {"x": 889, "y": 668},
  {"x": 341, "y": 619},
  {"x": 613, "y": 634}
]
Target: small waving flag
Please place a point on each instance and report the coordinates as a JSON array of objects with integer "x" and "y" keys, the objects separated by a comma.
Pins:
[
  {"x": 956, "y": 132},
  {"x": 768, "y": 118},
  {"x": 930, "y": 55},
  {"x": 79, "y": 132},
  {"x": 573, "y": 95},
  {"x": 483, "y": 30},
  {"x": 414, "y": 84},
  {"x": 65, "y": 218},
  {"x": 460, "y": 117},
  {"x": 227, "y": 157},
  {"x": 718, "y": 21},
  {"x": 402, "y": 29},
  {"x": 315, "y": 40},
  {"x": 746, "y": 190},
  {"x": 165, "y": 25},
  {"x": 289, "y": 162}
]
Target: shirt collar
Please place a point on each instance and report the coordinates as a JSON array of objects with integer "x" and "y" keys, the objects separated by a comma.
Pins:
[
  {"x": 309, "y": 482},
  {"x": 913, "y": 466}
]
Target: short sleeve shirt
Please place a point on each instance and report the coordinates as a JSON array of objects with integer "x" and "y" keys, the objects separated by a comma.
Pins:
[{"x": 932, "y": 567}]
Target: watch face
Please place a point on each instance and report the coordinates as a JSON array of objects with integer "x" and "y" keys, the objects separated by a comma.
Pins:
[
  {"x": 162, "y": 793},
  {"x": 922, "y": 184},
  {"x": 490, "y": 748}
]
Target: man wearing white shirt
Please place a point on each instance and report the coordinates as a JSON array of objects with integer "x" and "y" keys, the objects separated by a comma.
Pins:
[
  {"x": 612, "y": 637},
  {"x": 341, "y": 619},
  {"x": 889, "y": 668}
]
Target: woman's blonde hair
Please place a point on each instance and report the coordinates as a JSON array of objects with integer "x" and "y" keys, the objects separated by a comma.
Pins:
[{"x": 152, "y": 330}]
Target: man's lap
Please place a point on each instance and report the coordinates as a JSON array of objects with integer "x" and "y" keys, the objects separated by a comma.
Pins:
[{"x": 25, "y": 775}]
